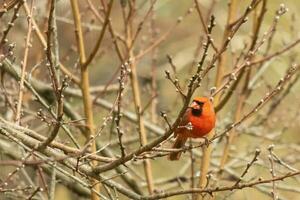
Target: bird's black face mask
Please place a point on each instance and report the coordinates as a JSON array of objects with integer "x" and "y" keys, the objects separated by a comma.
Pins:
[{"x": 197, "y": 108}]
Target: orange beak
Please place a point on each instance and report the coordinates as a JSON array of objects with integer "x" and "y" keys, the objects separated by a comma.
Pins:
[{"x": 195, "y": 106}]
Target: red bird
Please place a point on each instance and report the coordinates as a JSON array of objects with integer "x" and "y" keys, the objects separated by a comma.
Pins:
[{"x": 198, "y": 120}]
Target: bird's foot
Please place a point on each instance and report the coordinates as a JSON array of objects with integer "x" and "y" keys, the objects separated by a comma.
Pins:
[{"x": 206, "y": 141}]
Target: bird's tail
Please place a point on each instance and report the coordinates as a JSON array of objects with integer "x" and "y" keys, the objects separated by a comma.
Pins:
[{"x": 179, "y": 143}]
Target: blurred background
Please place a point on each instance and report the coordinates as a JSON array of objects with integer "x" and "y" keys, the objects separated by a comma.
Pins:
[{"x": 174, "y": 30}]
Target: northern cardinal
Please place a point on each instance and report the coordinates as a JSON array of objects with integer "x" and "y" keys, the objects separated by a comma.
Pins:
[{"x": 198, "y": 120}]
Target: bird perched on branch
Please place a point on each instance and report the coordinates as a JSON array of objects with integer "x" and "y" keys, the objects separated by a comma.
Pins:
[{"x": 198, "y": 120}]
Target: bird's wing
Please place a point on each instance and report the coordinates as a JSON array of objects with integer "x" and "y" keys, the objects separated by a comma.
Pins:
[{"x": 184, "y": 121}]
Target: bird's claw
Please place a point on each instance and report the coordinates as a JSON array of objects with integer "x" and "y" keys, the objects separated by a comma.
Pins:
[{"x": 206, "y": 141}]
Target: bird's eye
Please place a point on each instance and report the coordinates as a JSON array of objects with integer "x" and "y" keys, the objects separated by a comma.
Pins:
[{"x": 199, "y": 103}]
